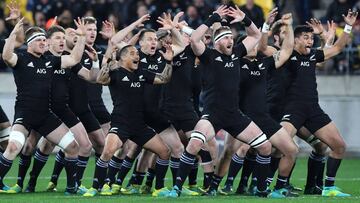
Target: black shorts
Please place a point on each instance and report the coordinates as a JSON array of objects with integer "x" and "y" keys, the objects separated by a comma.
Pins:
[
  {"x": 184, "y": 118},
  {"x": 276, "y": 111},
  {"x": 89, "y": 121},
  {"x": 65, "y": 114},
  {"x": 140, "y": 134},
  {"x": 309, "y": 115},
  {"x": 100, "y": 112},
  {"x": 268, "y": 125},
  {"x": 3, "y": 117},
  {"x": 232, "y": 122},
  {"x": 156, "y": 120},
  {"x": 44, "y": 122}
]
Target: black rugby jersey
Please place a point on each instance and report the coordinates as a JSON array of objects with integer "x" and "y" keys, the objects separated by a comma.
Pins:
[
  {"x": 152, "y": 93},
  {"x": 302, "y": 78},
  {"x": 33, "y": 77},
  {"x": 127, "y": 89},
  {"x": 94, "y": 91},
  {"x": 253, "y": 84},
  {"x": 2, "y": 44},
  {"x": 179, "y": 91},
  {"x": 221, "y": 79}
]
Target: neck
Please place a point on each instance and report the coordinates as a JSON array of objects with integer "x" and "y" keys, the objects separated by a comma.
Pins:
[
  {"x": 126, "y": 67},
  {"x": 142, "y": 50},
  {"x": 90, "y": 44},
  {"x": 55, "y": 53},
  {"x": 34, "y": 53},
  {"x": 297, "y": 48}
]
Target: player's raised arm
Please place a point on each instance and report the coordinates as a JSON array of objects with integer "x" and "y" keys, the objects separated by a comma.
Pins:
[
  {"x": 8, "y": 54},
  {"x": 253, "y": 33},
  {"x": 288, "y": 44},
  {"x": 263, "y": 43},
  {"x": 349, "y": 19}
]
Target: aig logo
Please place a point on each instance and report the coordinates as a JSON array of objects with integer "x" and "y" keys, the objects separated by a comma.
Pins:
[
  {"x": 153, "y": 67},
  {"x": 305, "y": 63},
  {"x": 177, "y": 63},
  {"x": 257, "y": 73},
  {"x": 41, "y": 71},
  {"x": 59, "y": 72},
  {"x": 229, "y": 65},
  {"x": 135, "y": 84}
]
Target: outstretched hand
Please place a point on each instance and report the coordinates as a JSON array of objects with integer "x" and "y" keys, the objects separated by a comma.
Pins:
[
  {"x": 316, "y": 26},
  {"x": 13, "y": 6},
  {"x": 237, "y": 14},
  {"x": 271, "y": 16},
  {"x": 169, "y": 53},
  {"x": 350, "y": 18}
]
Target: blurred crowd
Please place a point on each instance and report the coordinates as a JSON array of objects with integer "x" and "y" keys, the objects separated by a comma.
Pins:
[{"x": 123, "y": 12}]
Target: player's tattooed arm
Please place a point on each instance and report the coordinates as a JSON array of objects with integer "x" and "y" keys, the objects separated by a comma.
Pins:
[
  {"x": 287, "y": 46},
  {"x": 165, "y": 76},
  {"x": 334, "y": 50},
  {"x": 263, "y": 43},
  {"x": 103, "y": 76},
  {"x": 68, "y": 61},
  {"x": 8, "y": 54}
]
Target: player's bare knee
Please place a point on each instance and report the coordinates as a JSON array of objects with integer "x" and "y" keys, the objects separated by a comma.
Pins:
[
  {"x": 72, "y": 149},
  {"x": 177, "y": 150},
  {"x": 264, "y": 149}
]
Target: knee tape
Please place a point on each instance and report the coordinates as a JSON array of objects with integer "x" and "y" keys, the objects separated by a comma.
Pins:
[
  {"x": 312, "y": 140},
  {"x": 66, "y": 140},
  {"x": 258, "y": 141},
  {"x": 17, "y": 136},
  {"x": 4, "y": 134},
  {"x": 198, "y": 135}
]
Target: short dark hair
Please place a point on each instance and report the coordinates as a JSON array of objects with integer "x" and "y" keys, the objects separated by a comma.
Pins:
[
  {"x": 89, "y": 20},
  {"x": 53, "y": 29},
  {"x": 29, "y": 32},
  {"x": 142, "y": 32},
  {"x": 123, "y": 51},
  {"x": 302, "y": 29},
  {"x": 276, "y": 29}
]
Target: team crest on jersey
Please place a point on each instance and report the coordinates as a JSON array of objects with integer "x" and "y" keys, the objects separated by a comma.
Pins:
[
  {"x": 159, "y": 60},
  {"x": 87, "y": 61},
  {"x": 261, "y": 66},
  {"x": 113, "y": 130},
  {"x": 47, "y": 64},
  {"x": 141, "y": 78},
  {"x": 286, "y": 117},
  {"x": 218, "y": 59},
  {"x": 233, "y": 57},
  {"x": 30, "y": 64},
  {"x": 182, "y": 56},
  {"x": 312, "y": 57}
]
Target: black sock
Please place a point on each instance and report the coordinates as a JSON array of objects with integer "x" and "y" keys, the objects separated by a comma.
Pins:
[
  {"x": 113, "y": 169},
  {"x": 280, "y": 182},
  {"x": 215, "y": 182},
  {"x": 207, "y": 179},
  {"x": 124, "y": 170},
  {"x": 70, "y": 168},
  {"x": 161, "y": 167},
  {"x": 274, "y": 165},
  {"x": 262, "y": 171},
  {"x": 150, "y": 175},
  {"x": 58, "y": 166},
  {"x": 249, "y": 165},
  {"x": 291, "y": 171},
  {"x": 80, "y": 168},
  {"x": 139, "y": 177},
  {"x": 235, "y": 166},
  {"x": 100, "y": 173},
  {"x": 174, "y": 166},
  {"x": 40, "y": 160},
  {"x": 314, "y": 164},
  {"x": 24, "y": 164},
  {"x": 186, "y": 162},
  {"x": 5, "y": 166},
  {"x": 320, "y": 176},
  {"x": 193, "y": 173},
  {"x": 331, "y": 169}
]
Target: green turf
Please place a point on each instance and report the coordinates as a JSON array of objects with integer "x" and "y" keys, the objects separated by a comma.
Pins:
[{"x": 348, "y": 179}]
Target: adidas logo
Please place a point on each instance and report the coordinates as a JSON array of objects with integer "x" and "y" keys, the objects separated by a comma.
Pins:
[
  {"x": 218, "y": 59},
  {"x": 143, "y": 60},
  {"x": 125, "y": 79},
  {"x": 245, "y": 67},
  {"x": 293, "y": 58},
  {"x": 30, "y": 64}
]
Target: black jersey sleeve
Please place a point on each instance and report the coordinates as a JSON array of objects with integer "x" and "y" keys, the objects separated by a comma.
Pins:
[
  {"x": 206, "y": 56},
  {"x": 113, "y": 76},
  {"x": 75, "y": 69},
  {"x": 56, "y": 60},
  {"x": 319, "y": 55},
  {"x": 2, "y": 44},
  {"x": 269, "y": 62},
  {"x": 240, "y": 50},
  {"x": 149, "y": 76}
]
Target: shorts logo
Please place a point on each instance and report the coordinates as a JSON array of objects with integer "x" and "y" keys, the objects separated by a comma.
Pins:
[
  {"x": 205, "y": 116},
  {"x": 113, "y": 130},
  {"x": 19, "y": 120},
  {"x": 286, "y": 117}
]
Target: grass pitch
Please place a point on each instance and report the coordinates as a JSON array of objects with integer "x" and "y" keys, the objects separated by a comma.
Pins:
[{"x": 348, "y": 178}]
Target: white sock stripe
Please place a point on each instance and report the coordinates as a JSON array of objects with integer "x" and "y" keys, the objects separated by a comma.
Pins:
[
  {"x": 330, "y": 178},
  {"x": 40, "y": 157},
  {"x": 115, "y": 164},
  {"x": 263, "y": 158},
  {"x": 126, "y": 164},
  {"x": 282, "y": 180},
  {"x": 187, "y": 162},
  {"x": 162, "y": 162},
  {"x": 184, "y": 157},
  {"x": 237, "y": 159}
]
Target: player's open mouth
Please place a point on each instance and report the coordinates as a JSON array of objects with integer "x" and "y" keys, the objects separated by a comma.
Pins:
[{"x": 152, "y": 48}]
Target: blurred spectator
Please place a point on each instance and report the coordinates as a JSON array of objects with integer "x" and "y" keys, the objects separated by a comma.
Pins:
[
  {"x": 254, "y": 12},
  {"x": 40, "y": 19},
  {"x": 336, "y": 9},
  {"x": 43, "y": 6},
  {"x": 65, "y": 19},
  {"x": 192, "y": 17},
  {"x": 203, "y": 8}
]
